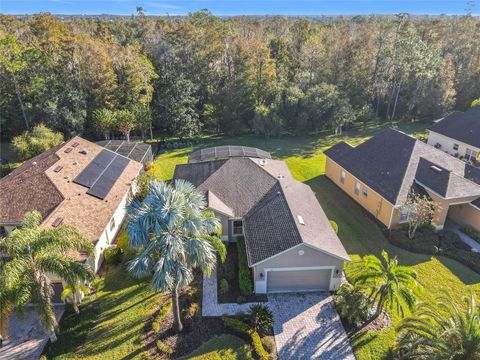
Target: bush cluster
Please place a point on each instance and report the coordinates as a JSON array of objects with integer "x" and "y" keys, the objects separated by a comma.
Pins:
[
  {"x": 451, "y": 246},
  {"x": 425, "y": 240},
  {"x": 470, "y": 231},
  {"x": 353, "y": 306},
  {"x": 224, "y": 287},
  {"x": 241, "y": 327},
  {"x": 113, "y": 255},
  {"x": 218, "y": 245},
  {"x": 245, "y": 280},
  {"x": 260, "y": 317}
]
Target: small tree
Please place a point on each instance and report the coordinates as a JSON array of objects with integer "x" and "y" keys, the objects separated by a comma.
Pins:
[
  {"x": 104, "y": 121},
  {"x": 476, "y": 102},
  {"x": 125, "y": 122},
  {"x": 420, "y": 211},
  {"x": 36, "y": 141}
]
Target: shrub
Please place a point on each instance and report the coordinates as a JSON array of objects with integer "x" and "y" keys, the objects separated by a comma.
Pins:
[
  {"x": 224, "y": 286},
  {"x": 353, "y": 306},
  {"x": 218, "y": 245},
  {"x": 450, "y": 247},
  {"x": 470, "y": 231},
  {"x": 269, "y": 343},
  {"x": 245, "y": 280},
  {"x": 192, "y": 310},
  {"x": 241, "y": 327},
  {"x": 193, "y": 294},
  {"x": 164, "y": 348},
  {"x": 164, "y": 309},
  {"x": 334, "y": 226},
  {"x": 149, "y": 166},
  {"x": 260, "y": 317},
  {"x": 35, "y": 141},
  {"x": 424, "y": 242},
  {"x": 113, "y": 255}
]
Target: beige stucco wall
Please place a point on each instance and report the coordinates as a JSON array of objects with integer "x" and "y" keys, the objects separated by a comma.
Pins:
[
  {"x": 292, "y": 259},
  {"x": 465, "y": 214},
  {"x": 447, "y": 144},
  {"x": 380, "y": 208},
  {"x": 224, "y": 221}
]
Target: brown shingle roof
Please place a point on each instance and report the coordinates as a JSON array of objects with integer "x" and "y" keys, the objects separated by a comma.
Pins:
[{"x": 89, "y": 214}]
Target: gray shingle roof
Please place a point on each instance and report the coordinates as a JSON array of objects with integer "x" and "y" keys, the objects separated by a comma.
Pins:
[
  {"x": 391, "y": 161},
  {"x": 269, "y": 200},
  {"x": 462, "y": 126}
]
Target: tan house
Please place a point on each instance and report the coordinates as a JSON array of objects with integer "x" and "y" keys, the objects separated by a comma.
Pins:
[
  {"x": 458, "y": 134},
  {"x": 290, "y": 243},
  {"x": 380, "y": 173},
  {"x": 78, "y": 183}
]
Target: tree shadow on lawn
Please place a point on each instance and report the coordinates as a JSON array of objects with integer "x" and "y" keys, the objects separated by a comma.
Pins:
[{"x": 462, "y": 272}]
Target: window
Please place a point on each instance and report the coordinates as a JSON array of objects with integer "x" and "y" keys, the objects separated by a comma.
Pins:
[
  {"x": 357, "y": 188},
  {"x": 112, "y": 224},
  {"x": 342, "y": 177},
  {"x": 365, "y": 191},
  {"x": 455, "y": 146},
  {"x": 404, "y": 214},
  {"x": 470, "y": 154},
  {"x": 237, "y": 227}
]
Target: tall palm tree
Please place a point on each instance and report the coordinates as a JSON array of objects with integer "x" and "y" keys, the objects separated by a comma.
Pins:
[
  {"x": 32, "y": 253},
  {"x": 167, "y": 227},
  {"x": 389, "y": 284},
  {"x": 441, "y": 331}
]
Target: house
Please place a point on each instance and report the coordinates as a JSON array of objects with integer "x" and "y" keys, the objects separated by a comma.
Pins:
[
  {"x": 290, "y": 243},
  {"x": 379, "y": 174},
  {"x": 458, "y": 134},
  {"x": 77, "y": 183}
]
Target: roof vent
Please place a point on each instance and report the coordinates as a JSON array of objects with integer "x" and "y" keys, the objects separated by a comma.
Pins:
[
  {"x": 75, "y": 144},
  {"x": 263, "y": 162},
  {"x": 84, "y": 151},
  {"x": 67, "y": 150},
  {"x": 58, "y": 168},
  {"x": 300, "y": 220},
  {"x": 57, "y": 221},
  {"x": 34, "y": 163},
  {"x": 435, "y": 168},
  {"x": 281, "y": 176}
]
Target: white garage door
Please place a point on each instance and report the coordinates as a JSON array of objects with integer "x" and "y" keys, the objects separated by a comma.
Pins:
[{"x": 298, "y": 280}]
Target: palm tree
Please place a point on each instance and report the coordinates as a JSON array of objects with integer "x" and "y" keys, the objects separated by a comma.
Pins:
[
  {"x": 32, "y": 253},
  {"x": 167, "y": 227},
  {"x": 388, "y": 283},
  {"x": 73, "y": 294},
  {"x": 441, "y": 331}
]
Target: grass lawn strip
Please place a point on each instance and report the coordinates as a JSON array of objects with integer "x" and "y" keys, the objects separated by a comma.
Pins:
[
  {"x": 359, "y": 234},
  {"x": 223, "y": 347}
]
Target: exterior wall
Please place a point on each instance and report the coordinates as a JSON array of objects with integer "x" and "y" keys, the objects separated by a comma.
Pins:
[
  {"x": 311, "y": 258},
  {"x": 465, "y": 214},
  {"x": 447, "y": 144},
  {"x": 380, "y": 208},
  {"x": 224, "y": 221}
]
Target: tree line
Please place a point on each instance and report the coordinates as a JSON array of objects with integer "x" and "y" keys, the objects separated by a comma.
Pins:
[{"x": 183, "y": 76}]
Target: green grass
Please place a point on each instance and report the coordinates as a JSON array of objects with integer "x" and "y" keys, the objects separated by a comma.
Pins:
[
  {"x": 359, "y": 234},
  {"x": 6, "y": 152},
  {"x": 111, "y": 321},
  {"x": 224, "y": 347}
]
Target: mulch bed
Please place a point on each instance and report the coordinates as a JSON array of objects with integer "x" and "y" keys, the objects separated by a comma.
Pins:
[
  {"x": 197, "y": 329},
  {"x": 229, "y": 271}
]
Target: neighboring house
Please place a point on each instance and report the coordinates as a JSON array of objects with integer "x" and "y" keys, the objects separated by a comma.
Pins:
[
  {"x": 458, "y": 134},
  {"x": 380, "y": 173},
  {"x": 290, "y": 243},
  {"x": 77, "y": 183}
]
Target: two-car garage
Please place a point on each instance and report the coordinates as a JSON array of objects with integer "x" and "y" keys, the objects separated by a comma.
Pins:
[{"x": 308, "y": 279}]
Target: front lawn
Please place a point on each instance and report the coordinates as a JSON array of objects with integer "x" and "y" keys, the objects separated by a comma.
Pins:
[
  {"x": 359, "y": 234},
  {"x": 223, "y": 347},
  {"x": 111, "y": 322}
]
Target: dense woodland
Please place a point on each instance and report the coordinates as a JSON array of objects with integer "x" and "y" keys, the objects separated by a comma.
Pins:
[{"x": 183, "y": 76}]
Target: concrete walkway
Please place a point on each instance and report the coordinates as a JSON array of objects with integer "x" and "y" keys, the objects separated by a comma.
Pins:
[
  {"x": 450, "y": 225},
  {"x": 27, "y": 336},
  {"x": 210, "y": 305},
  {"x": 307, "y": 326}
]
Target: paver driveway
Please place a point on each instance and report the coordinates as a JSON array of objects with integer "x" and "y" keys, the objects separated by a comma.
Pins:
[{"x": 307, "y": 326}]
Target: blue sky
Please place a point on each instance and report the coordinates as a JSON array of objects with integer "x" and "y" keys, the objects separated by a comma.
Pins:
[{"x": 236, "y": 7}]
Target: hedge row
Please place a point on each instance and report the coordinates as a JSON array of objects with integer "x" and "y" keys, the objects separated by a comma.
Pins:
[
  {"x": 425, "y": 240},
  {"x": 245, "y": 280},
  {"x": 241, "y": 327},
  {"x": 451, "y": 246}
]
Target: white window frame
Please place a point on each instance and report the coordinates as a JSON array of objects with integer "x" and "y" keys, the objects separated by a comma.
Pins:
[
  {"x": 236, "y": 227},
  {"x": 342, "y": 177},
  {"x": 456, "y": 147},
  {"x": 357, "y": 188},
  {"x": 404, "y": 212},
  {"x": 365, "y": 191},
  {"x": 470, "y": 154}
]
